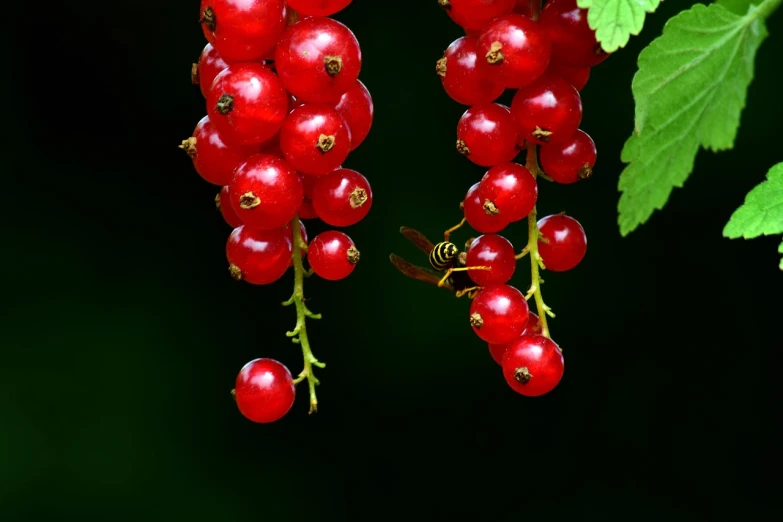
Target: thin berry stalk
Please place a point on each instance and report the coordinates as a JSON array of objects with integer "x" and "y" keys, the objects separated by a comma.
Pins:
[
  {"x": 536, "y": 263},
  {"x": 299, "y": 333},
  {"x": 535, "y": 11}
]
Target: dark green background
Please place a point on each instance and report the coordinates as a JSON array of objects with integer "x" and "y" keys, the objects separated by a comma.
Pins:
[{"x": 122, "y": 331}]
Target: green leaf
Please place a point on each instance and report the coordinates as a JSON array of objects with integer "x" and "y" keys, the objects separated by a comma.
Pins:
[
  {"x": 738, "y": 6},
  {"x": 614, "y": 21},
  {"x": 690, "y": 89},
  {"x": 762, "y": 212}
]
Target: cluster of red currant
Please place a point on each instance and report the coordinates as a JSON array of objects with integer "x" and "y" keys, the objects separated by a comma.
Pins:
[
  {"x": 545, "y": 55},
  {"x": 285, "y": 107}
]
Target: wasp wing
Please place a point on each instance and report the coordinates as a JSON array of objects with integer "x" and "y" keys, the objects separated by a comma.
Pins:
[
  {"x": 417, "y": 272},
  {"x": 418, "y": 239}
]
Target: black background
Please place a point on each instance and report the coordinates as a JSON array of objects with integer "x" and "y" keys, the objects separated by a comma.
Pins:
[{"x": 122, "y": 332}]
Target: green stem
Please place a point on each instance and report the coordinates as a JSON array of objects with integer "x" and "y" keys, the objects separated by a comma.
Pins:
[
  {"x": 767, "y": 7},
  {"x": 536, "y": 263},
  {"x": 299, "y": 333},
  {"x": 535, "y": 9}
]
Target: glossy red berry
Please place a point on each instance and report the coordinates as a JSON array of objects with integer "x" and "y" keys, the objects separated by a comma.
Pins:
[
  {"x": 213, "y": 159},
  {"x": 342, "y": 198},
  {"x": 332, "y": 255},
  {"x": 356, "y": 108},
  {"x": 524, "y": 7},
  {"x": 266, "y": 192},
  {"x": 533, "y": 365},
  {"x": 264, "y": 390},
  {"x": 481, "y": 214},
  {"x": 533, "y": 327},
  {"x": 495, "y": 252},
  {"x": 315, "y": 139},
  {"x": 243, "y": 30},
  {"x": 306, "y": 210},
  {"x": 210, "y": 64},
  {"x": 570, "y": 161},
  {"x": 318, "y": 59},
  {"x": 475, "y": 14},
  {"x": 247, "y": 104},
  {"x": 573, "y": 42},
  {"x": 510, "y": 189},
  {"x": 256, "y": 256},
  {"x": 513, "y": 51},
  {"x": 548, "y": 111},
  {"x": 223, "y": 204},
  {"x": 460, "y": 75},
  {"x": 576, "y": 76},
  {"x": 566, "y": 242},
  {"x": 318, "y": 7},
  {"x": 486, "y": 135},
  {"x": 498, "y": 313}
]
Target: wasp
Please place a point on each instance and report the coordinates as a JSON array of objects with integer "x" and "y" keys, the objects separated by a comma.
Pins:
[{"x": 444, "y": 257}]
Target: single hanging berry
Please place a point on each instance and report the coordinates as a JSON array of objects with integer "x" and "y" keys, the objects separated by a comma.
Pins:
[
  {"x": 247, "y": 104},
  {"x": 318, "y": 59},
  {"x": 473, "y": 15},
  {"x": 548, "y": 111},
  {"x": 570, "y": 161},
  {"x": 495, "y": 252},
  {"x": 243, "y": 31},
  {"x": 356, "y": 108},
  {"x": 573, "y": 42},
  {"x": 461, "y": 77},
  {"x": 486, "y": 135},
  {"x": 264, "y": 390},
  {"x": 565, "y": 245},
  {"x": 209, "y": 65},
  {"x": 510, "y": 189},
  {"x": 498, "y": 313},
  {"x": 258, "y": 257},
  {"x": 533, "y": 365},
  {"x": 315, "y": 139},
  {"x": 213, "y": 159},
  {"x": 332, "y": 255},
  {"x": 342, "y": 198}
]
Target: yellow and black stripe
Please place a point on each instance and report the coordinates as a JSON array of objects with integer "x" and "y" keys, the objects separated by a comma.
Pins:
[{"x": 442, "y": 255}]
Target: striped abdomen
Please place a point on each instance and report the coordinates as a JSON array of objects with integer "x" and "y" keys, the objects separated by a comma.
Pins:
[{"x": 442, "y": 255}]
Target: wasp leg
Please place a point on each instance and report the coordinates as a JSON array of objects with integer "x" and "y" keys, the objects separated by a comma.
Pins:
[
  {"x": 471, "y": 292},
  {"x": 447, "y": 233},
  {"x": 461, "y": 269}
]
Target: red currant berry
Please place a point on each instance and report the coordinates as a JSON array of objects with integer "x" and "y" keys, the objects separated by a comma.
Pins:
[
  {"x": 513, "y": 51},
  {"x": 533, "y": 365},
  {"x": 495, "y": 252},
  {"x": 486, "y": 135},
  {"x": 511, "y": 189},
  {"x": 265, "y": 192},
  {"x": 475, "y": 14},
  {"x": 247, "y": 103},
  {"x": 461, "y": 78},
  {"x": 342, "y": 198},
  {"x": 258, "y": 257},
  {"x": 210, "y": 64},
  {"x": 570, "y": 161},
  {"x": 223, "y": 204},
  {"x": 264, "y": 390},
  {"x": 318, "y": 7},
  {"x": 307, "y": 211},
  {"x": 332, "y": 255},
  {"x": 315, "y": 139},
  {"x": 481, "y": 214},
  {"x": 533, "y": 327},
  {"x": 213, "y": 159},
  {"x": 548, "y": 111},
  {"x": 356, "y": 108},
  {"x": 243, "y": 31},
  {"x": 498, "y": 313},
  {"x": 576, "y": 76},
  {"x": 573, "y": 42},
  {"x": 318, "y": 60},
  {"x": 566, "y": 242},
  {"x": 524, "y": 7}
]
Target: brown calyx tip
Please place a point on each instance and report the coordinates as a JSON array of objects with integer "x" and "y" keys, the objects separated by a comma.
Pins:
[
  {"x": 225, "y": 103},
  {"x": 462, "y": 148},
  {"x": 476, "y": 321},
  {"x": 358, "y": 197},
  {"x": 189, "y": 146},
  {"x": 217, "y": 201},
  {"x": 440, "y": 67},
  {"x": 598, "y": 50},
  {"x": 585, "y": 172},
  {"x": 494, "y": 56},
  {"x": 249, "y": 200},
  {"x": 325, "y": 143},
  {"x": 522, "y": 375},
  {"x": 208, "y": 19},
  {"x": 235, "y": 272},
  {"x": 333, "y": 64},
  {"x": 194, "y": 77},
  {"x": 353, "y": 255},
  {"x": 445, "y": 4},
  {"x": 542, "y": 134},
  {"x": 490, "y": 209},
  {"x": 462, "y": 258}
]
